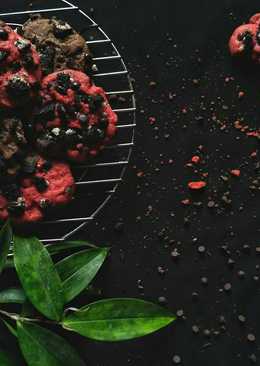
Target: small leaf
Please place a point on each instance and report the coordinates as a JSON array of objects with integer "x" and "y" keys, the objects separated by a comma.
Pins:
[
  {"x": 6, "y": 359},
  {"x": 78, "y": 270},
  {"x": 12, "y": 295},
  {"x": 39, "y": 277},
  {"x": 118, "y": 319},
  {"x": 41, "y": 347},
  {"x": 6, "y": 236},
  {"x": 67, "y": 245}
]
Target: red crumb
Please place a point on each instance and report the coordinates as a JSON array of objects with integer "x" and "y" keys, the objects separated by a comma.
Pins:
[
  {"x": 152, "y": 120},
  {"x": 235, "y": 172},
  {"x": 195, "y": 159},
  {"x": 197, "y": 185},
  {"x": 241, "y": 94},
  {"x": 186, "y": 202}
]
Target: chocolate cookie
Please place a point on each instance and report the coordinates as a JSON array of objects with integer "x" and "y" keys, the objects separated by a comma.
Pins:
[
  {"x": 20, "y": 70},
  {"x": 75, "y": 120},
  {"x": 12, "y": 146},
  {"x": 59, "y": 45},
  {"x": 245, "y": 40},
  {"x": 50, "y": 185}
]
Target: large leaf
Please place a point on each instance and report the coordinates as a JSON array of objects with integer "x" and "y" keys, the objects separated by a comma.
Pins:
[
  {"x": 67, "y": 245},
  {"x": 6, "y": 359},
  {"x": 6, "y": 236},
  {"x": 12, "y": 295},
  {"x": 39, "y": 277},
  {"x": 54, "y": 249},
  {"x": 117, "y": 319},
  {"x": 41, "y": 347},
  {"x": 78, "y": 270}
]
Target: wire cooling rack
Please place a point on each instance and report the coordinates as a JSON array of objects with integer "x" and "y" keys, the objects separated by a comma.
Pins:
[{"x": 97, "y": 181}]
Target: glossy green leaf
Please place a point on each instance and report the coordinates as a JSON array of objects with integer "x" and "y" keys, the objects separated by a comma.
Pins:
[
  {"x": 117, "y": 319},
  {"x": 6, "y": 236},
  {"x": 6, "y": 359},
  {"x": 78, "y": 270},
  {"x": 12, "y": 295},
  {"x": 67, "y": 245},
  {"x": 41, "y": 347},
  {"x": 39, "y": 277}
]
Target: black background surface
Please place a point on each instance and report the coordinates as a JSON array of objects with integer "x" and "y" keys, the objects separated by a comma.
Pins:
[{"x": 171, "y": 43}]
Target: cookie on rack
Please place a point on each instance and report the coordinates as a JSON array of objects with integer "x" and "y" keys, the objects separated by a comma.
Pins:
[
  {"x": 49, "y": 185},
  {"x": 75, "y": 120},
  {"x": 245, "y": 40},
  {"x": 59, "y": 45},
  {"x": 20, "y": 71}
]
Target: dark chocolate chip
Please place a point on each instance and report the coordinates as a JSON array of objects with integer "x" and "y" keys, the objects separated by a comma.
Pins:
[
  {"x": 46, "y": 113},
  {"x": 103, "y": 123},
  {"x": 62, "y": 29},
  {"x": 17, "y": 88},
  {"x": 3, "y": 34},
  {"x": 83, "y": 118},
  {"x": 29, "y": 165},
  {"x": 94, "y": 135},
  {"x": 3, "y": 55},
  {"x": 41, "y": 184}
]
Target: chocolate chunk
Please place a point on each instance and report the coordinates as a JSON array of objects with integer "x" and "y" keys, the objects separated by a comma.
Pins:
[
  {"x": 83, "y": 118},
  {"x": 94, "y": 135},
  {"x": 41, "y": 184},
  {"x": 47, "y": 165},
  {"x": 3, "y": 55},
  {"x": 23, "y": 45},
  {"x": 11, "y": 191},
  {"x": 47, "y": 56},
  {"x": 3, "y": 34},
  {"x": 75, "y": 86},
  {"x": 46, "y": 113},
  {"x": 29, "y": 164},
  {"x": 28, "y": 61},
  {"x": 95, "y": 102},
  {"x": 62, "y": 112},
  {"x": 62, "y": 29},
  {"x": 18, "y": 87},
  {"x": 103, "y": 123},
  {"x": 247, "y": 39},
  {"x": 16, "y": 66}
]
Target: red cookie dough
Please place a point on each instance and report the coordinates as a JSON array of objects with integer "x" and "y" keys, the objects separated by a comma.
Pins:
[
  {"x": 246, "y": 39},
  {"x": 50, "y": 186},
  {"x": 20, "y": 70},
  {"x": 75, "y": 120}
]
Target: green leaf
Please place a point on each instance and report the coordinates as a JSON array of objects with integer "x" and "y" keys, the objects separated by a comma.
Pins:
[
  {"x": 39, "y": 277},
  {"x": 41, "y": 347},
  {"x": 117, "y": 319},
  {"x": 6, "y": 359},
  {"x": 6, "y": 236},
  {"x": 11, "y": 329},
  {"x": 78, "y": 270},
  {"x": 67, "y": 245},
  {"x": 12, "y": 295}
]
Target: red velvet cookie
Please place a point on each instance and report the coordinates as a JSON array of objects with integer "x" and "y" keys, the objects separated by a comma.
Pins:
[
  {"x": 75, "y": 120},
  {"x": 51, "y": 185},
  {"x": 245, "y": 40},
  {"x": 20, "y": 70}
]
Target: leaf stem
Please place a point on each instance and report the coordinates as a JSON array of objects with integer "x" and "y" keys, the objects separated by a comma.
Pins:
[{"x": 16, "y": 317}]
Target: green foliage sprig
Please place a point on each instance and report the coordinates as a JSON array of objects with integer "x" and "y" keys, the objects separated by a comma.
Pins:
[{"x": 49, "y": 287}]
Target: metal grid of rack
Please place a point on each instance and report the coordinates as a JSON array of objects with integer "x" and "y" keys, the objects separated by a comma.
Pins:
[{"x": 97, "y": 181}]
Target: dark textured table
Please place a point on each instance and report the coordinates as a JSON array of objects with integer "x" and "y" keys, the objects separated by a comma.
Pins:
[{"x": 187, "y": 90}]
